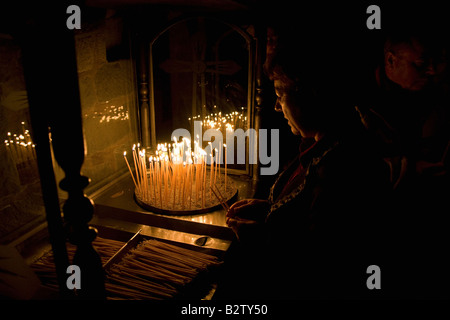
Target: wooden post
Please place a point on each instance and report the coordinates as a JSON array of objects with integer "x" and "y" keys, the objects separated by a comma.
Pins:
[{"x": 52, "y": 83}]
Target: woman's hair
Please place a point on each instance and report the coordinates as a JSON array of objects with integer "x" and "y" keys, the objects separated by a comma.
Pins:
[{"x": 315, "y": 74}]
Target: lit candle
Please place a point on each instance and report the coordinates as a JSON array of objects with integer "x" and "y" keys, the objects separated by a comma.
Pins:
[
  {"x": 144, "y": 175},
  {"x": 166, "y": 177},
  {"x": 190, "y": 183},
  {"x": 204, "y": 181},
  {"x": 29, "y": 151},
  {"x": 210, "y": 171},
  {"x": 152, "y": 178},
  {"x": 183, "y": 186},
  {"x": 215, "y": 165},
  {"x": 19, "y": 152},
  {"x": 197, "y": 177},
  {"x": 225, "y": 151},
  {"x": 175, "y": 174},
  {"x": 220, "y": 159},
  {"x": 211, "y": 177},
  {"x": 129, "y": 168},
  {"x": 135, "y": 160},
  {"x": 34, "y": 151},
  {"x": 158, "y": 179}
]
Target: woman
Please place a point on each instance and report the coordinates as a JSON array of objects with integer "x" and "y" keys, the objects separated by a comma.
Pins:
[{"x": 318, "y": 232}]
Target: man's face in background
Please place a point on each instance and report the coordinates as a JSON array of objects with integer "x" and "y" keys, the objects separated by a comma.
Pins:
[{"x": 413, "y": 66}]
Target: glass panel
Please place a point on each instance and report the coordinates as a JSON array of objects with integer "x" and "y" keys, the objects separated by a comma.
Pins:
[
  {"x": 21, "y": 204},
  {"x": 200, "y": 71},
  {"x": 108, "y": 99}
]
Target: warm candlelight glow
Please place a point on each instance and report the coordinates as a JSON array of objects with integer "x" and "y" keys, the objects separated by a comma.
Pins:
[
  {"x": 21, "y": 150},
  {"x": 223, "y": 121},
  {"x": 176, "y": 177}
]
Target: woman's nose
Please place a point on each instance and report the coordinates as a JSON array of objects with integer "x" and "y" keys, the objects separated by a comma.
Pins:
[{"x": 278, "y": 106}]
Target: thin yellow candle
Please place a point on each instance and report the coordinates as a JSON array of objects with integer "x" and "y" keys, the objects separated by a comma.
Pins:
[
  {"x": 190, "y": 184},
  {"x": 200, "y": 183},
  {"x": 144, "y": 169},
  {"x": 166, "y": 177},
  {"x": 210, "y": 173},
  {"x": 138, "y": 186},
  {"x": 158, "y": 175},
  {"x": 160, "y": 171},
  {"x": 155, "y": 179},
  {"x": 183, "y": 185},
  {"x": 202, "y": 164},
  {"x": 204, "y": 182},
  {"x": 129, "y": 168},
  {"x": 210, "y": 177},
  {"x": 141, "y": 176},
  {"x": 180, "y": 181},
  {"x": 197, "y": 180},
  {"x": 225, "y": 151},
  {"x": 29, "y": 151},
  {"x": 19, "y": 153},
  {"x": 34, "y": 151},
  {"x": 144, "y": 175},
  {"x": 7, "y": 146},
  {"x": 186, "y": 184},
  {"x": 220, "y": 159},
  {"x": 215, "y": 166},
  {"x": 152, "y": 177},
  {"x": 175, "y": 166}
]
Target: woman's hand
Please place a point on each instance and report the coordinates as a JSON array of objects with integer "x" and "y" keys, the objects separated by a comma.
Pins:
[
  {"x": 252, "y": 209},
  {"x": 245, "y": 218}
]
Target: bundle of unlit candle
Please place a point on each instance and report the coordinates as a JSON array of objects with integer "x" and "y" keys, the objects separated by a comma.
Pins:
[
  {"x": 156, "y": 270},
  {"x": 153, "y": 270},
  {"x": 44, "y": 267}
]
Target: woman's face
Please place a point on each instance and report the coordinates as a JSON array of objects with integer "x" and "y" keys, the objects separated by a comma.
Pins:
[{"x": 292, "y": 110}]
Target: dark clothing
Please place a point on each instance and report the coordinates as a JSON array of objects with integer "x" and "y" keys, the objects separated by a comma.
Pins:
[
  {"x": 406, "y": 127},
  {"x": 331, "y": 222},
  {"x": 323, "y": 229},
  {"x": 353, "y": 201},
  {"x": 407, "y": 131}
]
